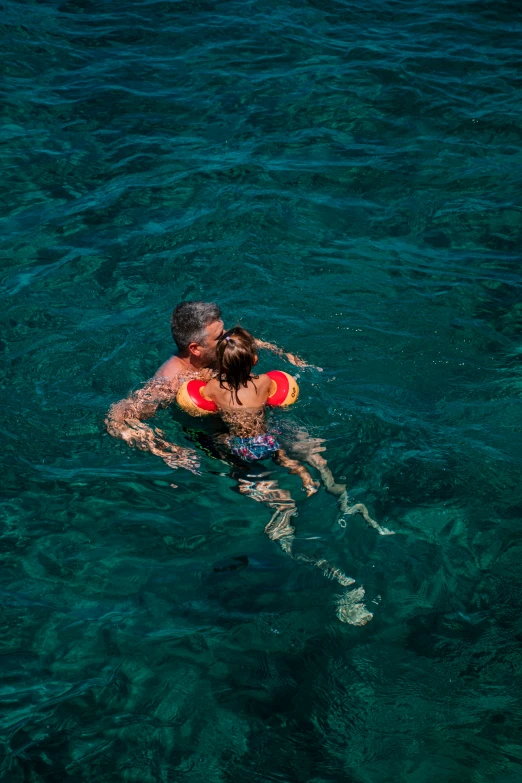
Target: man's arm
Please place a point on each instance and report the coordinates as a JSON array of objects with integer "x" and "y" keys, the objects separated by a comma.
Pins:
[
  {"x": 125, "y": 420},
  {"x": 292, "y": 358}
]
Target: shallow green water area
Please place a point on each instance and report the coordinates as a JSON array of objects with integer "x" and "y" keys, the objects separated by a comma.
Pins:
[{"x": 344, "y": 179}]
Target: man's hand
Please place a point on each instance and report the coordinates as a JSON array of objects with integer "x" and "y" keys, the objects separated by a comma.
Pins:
[
  {"x": 136, "y": 433},
  {"x": 291, "y": 357},
  {"x": 125, "y": 421},
  {"x": 297, "y": 362}
]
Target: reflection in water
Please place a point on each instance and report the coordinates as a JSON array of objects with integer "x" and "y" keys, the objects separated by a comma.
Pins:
[{"x": 350, "y": 608}]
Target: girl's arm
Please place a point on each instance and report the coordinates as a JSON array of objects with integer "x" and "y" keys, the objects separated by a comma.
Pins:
[
  {"x": 264, "y": 387},
  {"x": 211, "y": 391}
]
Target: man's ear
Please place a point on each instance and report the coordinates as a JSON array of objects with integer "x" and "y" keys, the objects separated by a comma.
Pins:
[
  {"x": 256, "y": 359},
  {"x": 195, "y": 349}
]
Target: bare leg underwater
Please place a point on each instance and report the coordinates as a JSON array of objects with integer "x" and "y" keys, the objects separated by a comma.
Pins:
[{"x": 350, "y": 608}]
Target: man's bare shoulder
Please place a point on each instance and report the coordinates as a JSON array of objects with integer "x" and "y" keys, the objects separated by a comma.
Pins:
[{"x": 171, "y": 369}]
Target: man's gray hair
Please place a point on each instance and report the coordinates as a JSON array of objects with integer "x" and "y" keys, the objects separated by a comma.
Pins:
[{"x": 189, "y": 320}]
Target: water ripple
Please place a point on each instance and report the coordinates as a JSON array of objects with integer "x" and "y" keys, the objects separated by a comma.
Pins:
[{"x": 344, "y": 179}]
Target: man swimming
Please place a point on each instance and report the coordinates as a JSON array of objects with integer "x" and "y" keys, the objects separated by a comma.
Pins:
[{"x": 196, "y": 328}]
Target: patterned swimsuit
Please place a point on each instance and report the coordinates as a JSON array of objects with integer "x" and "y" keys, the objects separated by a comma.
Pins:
[{"x": 254, "y": 448}]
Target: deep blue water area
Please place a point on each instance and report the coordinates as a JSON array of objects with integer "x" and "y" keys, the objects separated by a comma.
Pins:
[{"x": 344, "y": 178}]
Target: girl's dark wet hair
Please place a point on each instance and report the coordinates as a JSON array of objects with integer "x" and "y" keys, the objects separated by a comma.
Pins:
[{"x": 236, "y": 356}]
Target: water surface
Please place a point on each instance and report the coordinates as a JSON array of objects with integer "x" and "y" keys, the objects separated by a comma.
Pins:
[{"x": 343, "y": 178}]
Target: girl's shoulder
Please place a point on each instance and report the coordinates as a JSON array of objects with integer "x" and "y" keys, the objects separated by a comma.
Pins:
[
  {"x": 211, "y": 389},
  {"x": 263, "y": 384}
]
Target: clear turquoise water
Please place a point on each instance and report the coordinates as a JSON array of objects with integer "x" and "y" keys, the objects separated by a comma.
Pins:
[{"x": 345, "y": 178}]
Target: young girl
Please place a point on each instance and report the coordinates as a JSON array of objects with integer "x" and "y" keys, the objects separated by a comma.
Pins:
[{"x": 241, "y": 398}]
